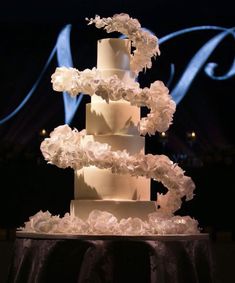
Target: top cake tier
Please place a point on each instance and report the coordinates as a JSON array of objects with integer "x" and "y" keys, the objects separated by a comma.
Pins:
[
  {"x": 113, "y": 58},
  {"x": 113, "y": 53}
]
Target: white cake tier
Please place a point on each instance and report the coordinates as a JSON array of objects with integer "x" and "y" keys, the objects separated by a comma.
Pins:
[
  {"x": 101, "y": 184},
  {"x": 113, "y": 58},
  {"x": 132, "y": 144},
  {"x": 113, "y": 53},
  {"x": 120, "y": 209},
  {"x": 115, "y": 117}
]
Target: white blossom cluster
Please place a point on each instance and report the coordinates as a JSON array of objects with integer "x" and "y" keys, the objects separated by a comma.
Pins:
[
  {"x": 156, "y": 98},
  {"x": 140, "y": 39},
  {"x": 68, "y": 148},
  {"x": 105, "y": 223}
]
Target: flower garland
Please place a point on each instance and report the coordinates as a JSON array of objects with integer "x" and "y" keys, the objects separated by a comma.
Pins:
[
  {"x": 140, "y": 39},
  {"x": 68, "y": 148},
  {"x": 96, "y": 224},
  {"x": 156, "y": 98}
]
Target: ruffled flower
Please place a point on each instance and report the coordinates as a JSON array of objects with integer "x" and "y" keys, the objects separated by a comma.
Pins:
[
  {"x": 71, "y": 225},
  {"x": 42, "y": 222},
  {"x": 65, "y": 79},
  {"x": 162, "y": 224},
  {"x": 101, "y": 222},
  {"x": 61, "y": 147}
]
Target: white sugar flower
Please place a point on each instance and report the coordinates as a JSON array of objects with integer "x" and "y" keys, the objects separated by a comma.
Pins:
[
  {"x": 42, "y": 222},
  {"x": 131, "y": 226},
  {"x": 103, "y": 222}
]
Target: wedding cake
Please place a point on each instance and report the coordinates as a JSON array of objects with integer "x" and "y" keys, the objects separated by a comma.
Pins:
[
  {"x": 112, "y": 173},
  {"x": 114, "y": 123}
]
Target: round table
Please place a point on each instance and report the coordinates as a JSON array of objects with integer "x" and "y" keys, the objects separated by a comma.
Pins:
[{"x": 42, "y": 258}]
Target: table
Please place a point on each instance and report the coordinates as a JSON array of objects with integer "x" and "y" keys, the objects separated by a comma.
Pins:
[{"x": 42, "y": 258}]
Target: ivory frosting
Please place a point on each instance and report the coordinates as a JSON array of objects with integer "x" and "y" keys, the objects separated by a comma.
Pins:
[
  {"x": 113, "y": 53},
  {"x": 95, "y": 183},
  {"x": 115, "y": 117}
]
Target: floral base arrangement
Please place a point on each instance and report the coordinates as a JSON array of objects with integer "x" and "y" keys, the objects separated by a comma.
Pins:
[{"x": 104, "y": 223}]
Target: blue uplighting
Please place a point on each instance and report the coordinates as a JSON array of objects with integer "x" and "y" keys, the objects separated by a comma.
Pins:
[{"x": 64, "y": 58}]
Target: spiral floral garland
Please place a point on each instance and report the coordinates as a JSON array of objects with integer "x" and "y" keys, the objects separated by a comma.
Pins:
[
  {"x": 156, "y": 98},
  {"x": 68, "y": 148}
]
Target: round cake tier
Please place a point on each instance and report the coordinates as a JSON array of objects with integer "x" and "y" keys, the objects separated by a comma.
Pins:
[
  {"x": 113, "y": 53},
  {"x": 120, "y": 209},
  {"x": 115, "y": 117},
  {"x": 101, "y": 184},
  {"x": 132, "y": 144}
]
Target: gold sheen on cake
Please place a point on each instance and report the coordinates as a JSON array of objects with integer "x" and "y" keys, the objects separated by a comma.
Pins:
[
  {"x": 112, "y": 173},
  {"x": 114, "y": 123}
]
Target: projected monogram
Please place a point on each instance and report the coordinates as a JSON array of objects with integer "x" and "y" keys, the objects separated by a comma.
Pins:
[{"x": 63, "y": 51}]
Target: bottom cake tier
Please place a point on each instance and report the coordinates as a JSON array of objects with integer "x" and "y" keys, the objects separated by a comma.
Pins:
[{"x": 120, "y": 209}]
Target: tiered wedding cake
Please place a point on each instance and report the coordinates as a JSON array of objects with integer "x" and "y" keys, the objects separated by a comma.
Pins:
[
  {"x": 112, "y": 171},
  {"x": 114, "y": 123}
]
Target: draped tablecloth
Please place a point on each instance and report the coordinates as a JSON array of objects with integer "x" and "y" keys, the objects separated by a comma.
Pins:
[{"x": 107, "y": 259}]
